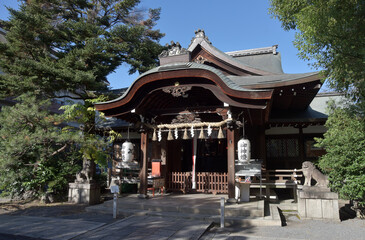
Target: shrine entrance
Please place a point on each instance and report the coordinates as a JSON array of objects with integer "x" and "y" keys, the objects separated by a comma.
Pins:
[
  {"x": 211, "y": 155},
  {"x": 197, "y": 165}
]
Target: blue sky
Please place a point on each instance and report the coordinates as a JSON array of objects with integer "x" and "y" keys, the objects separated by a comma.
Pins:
[{"x": 230, "y": 25}]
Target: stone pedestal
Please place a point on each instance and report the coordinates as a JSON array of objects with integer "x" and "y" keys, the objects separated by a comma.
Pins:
[
  {"x": 242, "y": 191},
  {"x": 318, "y": 203},
  {"x": 88, "y": 193}
]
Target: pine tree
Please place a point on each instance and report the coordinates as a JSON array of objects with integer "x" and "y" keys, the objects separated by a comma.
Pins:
[
  {"x": 63, "y": 45},
  {"x": 56, "y": 45},
  {"x": 35, "y": 152}
]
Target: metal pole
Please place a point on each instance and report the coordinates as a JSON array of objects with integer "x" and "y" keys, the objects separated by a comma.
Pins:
[
  {"x": 260, "y": 184},
  {"x": 222, "y": 212},
  {"x": 115, "y": 201}
]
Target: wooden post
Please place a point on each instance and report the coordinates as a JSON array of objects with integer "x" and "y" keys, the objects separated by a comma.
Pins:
[
  {"x": 301, "y": 144},
  {"x": 230, "y": 162},
  {"x": 262, "y": 144},
  {"x": 143, "y": 173}
]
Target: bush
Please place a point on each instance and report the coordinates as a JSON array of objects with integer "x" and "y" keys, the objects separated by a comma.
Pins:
[{"x": 344, "y": 162}]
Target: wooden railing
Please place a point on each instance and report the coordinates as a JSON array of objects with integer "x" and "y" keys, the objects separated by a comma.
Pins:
[
  {"x": 208, "y": 182},
  {"x": 179, "y": 181},
  {"x": 211, "y": 182},
  {"x": 282, "y": 176}
]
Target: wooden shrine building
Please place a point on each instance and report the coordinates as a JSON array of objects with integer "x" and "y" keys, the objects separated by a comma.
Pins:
[{"x": 194, "y": 107}]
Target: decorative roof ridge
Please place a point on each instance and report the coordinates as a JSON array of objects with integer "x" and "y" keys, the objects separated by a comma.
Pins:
[
  {"x": 173, "y": 49},
  {"x": 254, "y": 51},
  {"x": 200, "y": 33},
  {"x": 202, "y": 40}
]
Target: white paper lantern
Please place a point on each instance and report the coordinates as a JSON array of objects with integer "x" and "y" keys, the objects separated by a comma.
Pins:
[
  {"x": 127, "y": 152},
  {"x": 244, "y": 150}
]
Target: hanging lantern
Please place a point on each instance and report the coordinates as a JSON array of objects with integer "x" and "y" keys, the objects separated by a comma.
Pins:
[
  {"x": 176, "y": 133},
  {"x": 159, "y": 135},
  {"x": 244, "y": 150},
  {"x": 185, "y": 134},
  {"x": 201, "y": 135},
  {"x": 127, "y": 152},
  {"x": 220, "y": 133},
  {"x": 169, "y": 136},
  {"x": 154, "y": 136},
  {"x": 192, "y": 131}
]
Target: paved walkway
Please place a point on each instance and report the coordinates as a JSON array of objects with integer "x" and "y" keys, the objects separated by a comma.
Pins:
[
  {"x": 45, "y": 227},
  {"x": 352, "y": 229},
  {"x": 135, "y": 227},
  {"x": 149, "y": 227},
  {"x": 72, "y": 222},
  {"x": 152, "y": 227}
]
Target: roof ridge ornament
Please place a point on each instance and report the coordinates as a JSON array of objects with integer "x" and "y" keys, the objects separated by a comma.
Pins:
[
  {"x": 254, "y": 51},
  {"x": 200, "y": 33},
  {"x": 173, "y": 49}
]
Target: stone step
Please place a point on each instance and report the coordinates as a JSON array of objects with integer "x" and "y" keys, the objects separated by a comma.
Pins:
[
  {"x": 247, "y": 209},
  {"x": 239, "y": 221},
  {"x": 242, "y": 221}
]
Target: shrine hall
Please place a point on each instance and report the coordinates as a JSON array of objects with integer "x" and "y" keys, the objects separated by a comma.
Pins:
[{"x": 191, "y": 111}]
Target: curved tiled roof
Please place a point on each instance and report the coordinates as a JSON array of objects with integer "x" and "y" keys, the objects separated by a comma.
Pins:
[
  {"x": 269, "y": 79},
  {"x": 267, "y": 61},
  {"x": 187, "y": 65}
]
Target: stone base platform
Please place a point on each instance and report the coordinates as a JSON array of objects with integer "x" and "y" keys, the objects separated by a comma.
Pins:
[
  {"x": 88, "y": 193},
  {"x": 318, "y": 203}
]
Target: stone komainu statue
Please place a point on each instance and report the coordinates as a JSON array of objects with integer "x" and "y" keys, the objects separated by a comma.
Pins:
[
  {"x": 87, "y": 172},
  {"x": 311, "y": 172}
]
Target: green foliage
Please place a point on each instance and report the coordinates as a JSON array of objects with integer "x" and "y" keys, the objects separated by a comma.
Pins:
[
  {"x": 93, "y": 146},
  {"x": 332, "y": 33},
  {"x": 39, "y": 153},
  {"x": 344, "y": 161},
  {"x": 36, "y": 154},
  {"x": 55, "y": 46},
  {"x": 58, "y": 45}
]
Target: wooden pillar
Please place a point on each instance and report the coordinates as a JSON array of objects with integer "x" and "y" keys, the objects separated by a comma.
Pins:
[
  {"x": 301, "y": 144},
  {"x": 143, "y": 173},
  {"x": 230, "y": 162},
  {"x": 262, "y": 144}
]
